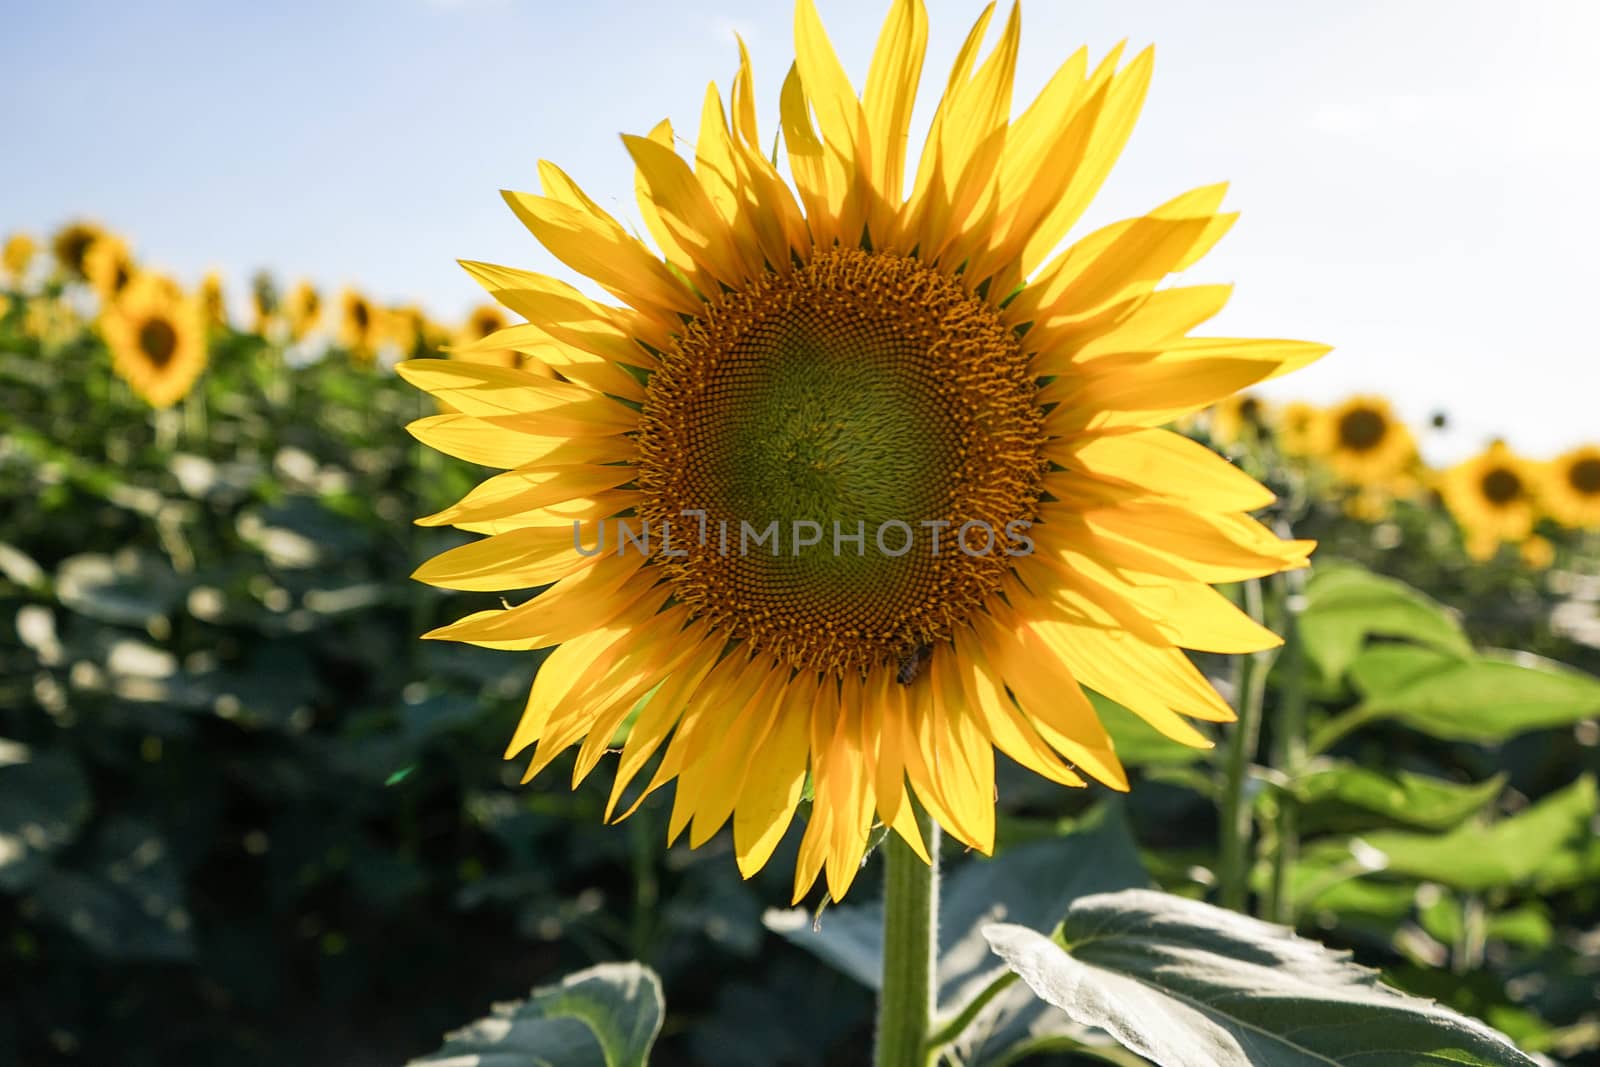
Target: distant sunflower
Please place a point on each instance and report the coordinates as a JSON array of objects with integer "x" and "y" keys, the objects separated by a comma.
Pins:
[
  {"x": 1492, "y": 496},
  {"x": 109, "y": 267},
  {"x": 894, "y": 366},
  {"x": 359, "y": 327},
  {"x": 303, "y": 310},
  {"x": 157, "y": 340},
  {"x": 213, "y": 302},
  {"x": 1364, "y": 443},
  {"x": 1570, "y": 488},
  {"x": 17, "y": 256},
  {"x": 1238, "y": 419},
  {"x": 486, "y": 330},
  {"x": 71, "y": 244},
  {"x": 1296, "y": 424},
  {"x": 413, "y": 333}
]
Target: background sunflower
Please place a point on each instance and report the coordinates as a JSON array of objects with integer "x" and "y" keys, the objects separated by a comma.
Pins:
[{"x": 157, "y": 339}]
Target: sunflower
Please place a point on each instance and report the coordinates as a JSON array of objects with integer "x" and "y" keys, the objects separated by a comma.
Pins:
[
  {"x": 945, "y": 443},
  {"x": 157, "y": 339},
  {"x": 16, "y": 256},
  {"x": 303, "y": 309},
  {"x": 1492, "y": 496},
  {"x": 486, "y": 329},
  {"x": 1296, "y": 424},
  {"x": 1364, "y": 443},
  {"x": 359, "y": 326},
  {"x": 412, "y": 332},
  {"x": 213, "y": 301},
  {"x": 1570, "y": 489},
  {"x": 109, "y": 267},
  {"x": 1237, "y": 419},
  {"x": 71, "y": 244}
]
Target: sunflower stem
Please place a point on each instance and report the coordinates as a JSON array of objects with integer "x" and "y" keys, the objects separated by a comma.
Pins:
[
  {"x": 910, "y": 949},
  {"x": 1233, "y": 874},
  {"x": 1289, "y": 745}
]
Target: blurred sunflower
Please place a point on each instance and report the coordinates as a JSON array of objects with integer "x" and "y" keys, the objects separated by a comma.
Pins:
[
  {"x": 303, "y": 310},
  {"x": 484, "y": 332},
  {"x": 71, "y": 244},
  {"x": 17, "y": 255},
  {"x": 1570, "y": 489},
  {"x": 263, "y": 302},
  {"x": 109, "y": 267},
  {"x": 896, "y": 366},
  {"x": 1238, "y": 419},
  {"x": 1492, "y": 497},
  {"x": 1364, "y": 443},
  {"x": 359, "y": 328},
  {"x": 412, "y": 333},
  {"x": 1296, "y": 423},
  {"x": 157, "y": 339},
  {"x": 213, "y": 302}
]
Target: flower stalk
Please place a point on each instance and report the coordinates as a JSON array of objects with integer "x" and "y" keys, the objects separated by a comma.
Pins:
[{"x": 910, "y": 950}]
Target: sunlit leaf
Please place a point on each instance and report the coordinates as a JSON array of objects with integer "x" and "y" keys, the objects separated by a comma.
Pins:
[
  {"x": 606, "y": 1016},
  {"x": 1346, "y": 604},
  {"x": 1185, "y": 984}
]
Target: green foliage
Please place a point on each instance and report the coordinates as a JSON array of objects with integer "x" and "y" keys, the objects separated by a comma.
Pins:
[
  {"x": 606, "y": 1016},
  {"x": 1185, "y": 984},
  {"x": 247, "y": 817}
]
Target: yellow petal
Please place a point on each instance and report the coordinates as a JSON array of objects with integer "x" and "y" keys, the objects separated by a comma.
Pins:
[
  {"x": 595, "y": 245},
  {"x": 1162, "y": 463}
]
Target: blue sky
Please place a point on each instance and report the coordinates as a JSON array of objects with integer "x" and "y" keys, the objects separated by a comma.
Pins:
[{"x": 1417, "y": 179}]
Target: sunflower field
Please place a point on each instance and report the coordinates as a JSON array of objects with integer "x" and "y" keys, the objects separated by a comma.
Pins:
[{"x": 248, "y": 815}]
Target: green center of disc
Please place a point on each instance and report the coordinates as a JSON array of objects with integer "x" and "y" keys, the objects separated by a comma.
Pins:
[{"x": 830, "y": 423}]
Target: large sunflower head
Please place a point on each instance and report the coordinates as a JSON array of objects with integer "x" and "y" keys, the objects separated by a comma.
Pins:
[
  {"x": 1570, "y": 488},
  {"x": 16, "y": 255},
  {"x": 71, "y": 244},
  {"x": 868, "y": 482},
  {"x": 157, "y": 339},
  {"x": 109, "y": 266},
  {"x": 1493, "y": 496},
  {"x": 1365, "y": 443}
]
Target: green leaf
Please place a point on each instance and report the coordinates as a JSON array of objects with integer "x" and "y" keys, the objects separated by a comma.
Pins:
[
  {"x": 1185, "y": 984},
  {"x": 44, "y": 802},
  {"x": 1517, "y": 851},
  {"x": 1346, "y": 604},
  {"x": 1484, "y": 699},
  {"x": 606, "y": 1016},
  {"x": 1406, "y": 798}
]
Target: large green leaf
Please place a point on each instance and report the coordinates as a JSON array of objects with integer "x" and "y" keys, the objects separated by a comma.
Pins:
[
  {"x": 606, "y": 1016},
  {"x": 1346, "y": 604},
  {"x": 1406, "y": 798},
  {"x": 1185, "y": 984},
  {"x": 1529, "y": 847},
  {"x": 1485, "y": 698}
]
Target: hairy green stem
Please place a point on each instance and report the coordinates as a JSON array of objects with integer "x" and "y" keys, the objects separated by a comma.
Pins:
[
  {"x": 1233, "y": 871},
  {"x": 910, "y": 950}
]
